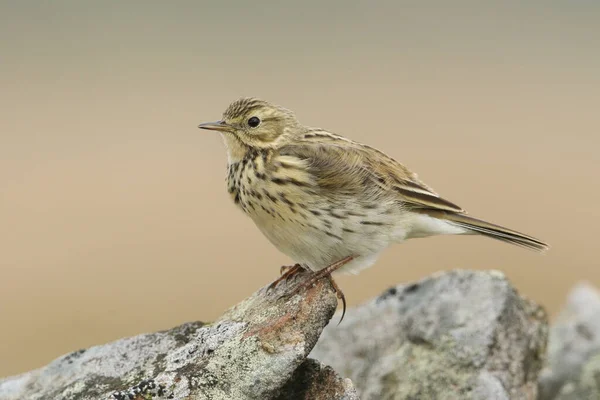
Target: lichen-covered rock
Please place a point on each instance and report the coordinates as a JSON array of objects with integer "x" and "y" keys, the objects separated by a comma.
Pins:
[
  {"x": 251, "y": 352},
  {"x": 315, "y": 381},
  {"x": 458, "y": 335},
  {"x": 574, "y": 339}
]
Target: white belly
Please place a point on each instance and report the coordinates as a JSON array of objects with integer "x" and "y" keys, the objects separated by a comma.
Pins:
[
  {"x": 319, "y": 242},
  {"x": 316, "y": 247}
]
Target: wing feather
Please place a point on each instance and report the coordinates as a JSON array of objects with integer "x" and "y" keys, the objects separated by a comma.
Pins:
[{"x": 340, "y": 166}]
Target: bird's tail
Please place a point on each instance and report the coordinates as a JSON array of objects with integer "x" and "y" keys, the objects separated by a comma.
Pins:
[{"x": 473, "y": 225}]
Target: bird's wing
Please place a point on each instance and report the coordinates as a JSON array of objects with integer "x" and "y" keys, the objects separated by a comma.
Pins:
[{"x": 339, "y": 166}]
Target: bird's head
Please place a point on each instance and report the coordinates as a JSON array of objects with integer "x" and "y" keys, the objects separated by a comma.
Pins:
[{"x": 250, "y": 123}]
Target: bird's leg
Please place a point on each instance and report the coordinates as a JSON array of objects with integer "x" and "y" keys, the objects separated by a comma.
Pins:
[
  {"x": 325, "y": 272},
  {"x": 286, "y": 272}
]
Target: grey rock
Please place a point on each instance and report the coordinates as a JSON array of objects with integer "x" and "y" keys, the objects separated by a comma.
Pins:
[
  {"x": 574, "y": 339},
  {"x": 587, "y": 384},
  {"x": 457, "y": 335},
  {"x": 251, "y": 352}
]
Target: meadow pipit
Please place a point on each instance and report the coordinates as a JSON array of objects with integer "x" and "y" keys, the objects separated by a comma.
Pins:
[{"x": 329, "y": 202}]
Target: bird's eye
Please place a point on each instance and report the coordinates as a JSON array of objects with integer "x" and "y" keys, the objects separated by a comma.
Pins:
[{"x": 254, "y": 122}]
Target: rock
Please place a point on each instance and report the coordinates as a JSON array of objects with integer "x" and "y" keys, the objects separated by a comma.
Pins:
[
  {"x": 251, "y": 352},
  {"x": 574, "y": 339},
  {"x": 315, "y": 381},
  {"x": 587, "y": 384},
  {"x": 457, "y": 335}
]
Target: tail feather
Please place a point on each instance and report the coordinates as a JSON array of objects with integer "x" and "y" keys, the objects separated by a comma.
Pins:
[{"x": 473, "y": 225}]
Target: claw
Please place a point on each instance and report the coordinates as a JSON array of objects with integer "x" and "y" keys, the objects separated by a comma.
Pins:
[
  {"x": 340, "y": 295},
  {"x": 286, "y": 273}
]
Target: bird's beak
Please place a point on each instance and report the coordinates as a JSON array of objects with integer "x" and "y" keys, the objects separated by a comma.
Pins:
[{"x": 216, "y": 126}]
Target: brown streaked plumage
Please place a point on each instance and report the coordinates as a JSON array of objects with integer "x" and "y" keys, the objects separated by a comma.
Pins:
[{"x": 321, "y": 198}]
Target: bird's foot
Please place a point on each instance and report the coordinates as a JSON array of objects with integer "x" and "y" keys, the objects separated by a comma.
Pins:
[
  {"x": 317, "y": 275},
  {"x": 287, "y": 272},
  {"x": 340, "y": 295}
]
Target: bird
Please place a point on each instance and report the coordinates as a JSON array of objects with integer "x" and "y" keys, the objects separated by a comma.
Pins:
[{"x": 330, "y": 203}]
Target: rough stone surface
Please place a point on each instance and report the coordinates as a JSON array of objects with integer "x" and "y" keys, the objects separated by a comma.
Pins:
[
  {"x": 587, "y": 384},
  {"x": 574, "y": 340},
  {"x": 457, "y": 335},
  {"x": 315, "y": 381},
  {"x": 251, "y": 352}
]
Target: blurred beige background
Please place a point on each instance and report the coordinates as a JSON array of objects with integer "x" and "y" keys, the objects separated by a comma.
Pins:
[{"x": 113, "y": 210}]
